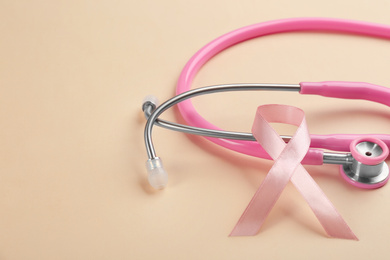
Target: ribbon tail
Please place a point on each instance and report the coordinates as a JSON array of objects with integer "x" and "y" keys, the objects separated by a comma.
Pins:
[
  {"x": 330, "y": 219},
  {"x": 263, "y": 201}
]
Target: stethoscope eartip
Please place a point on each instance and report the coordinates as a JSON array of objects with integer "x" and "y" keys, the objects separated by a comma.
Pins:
[
  {"x": 157, "y": 176},
  {"x": 367, "y": 168},
  {"x": 151, "y": 101}
]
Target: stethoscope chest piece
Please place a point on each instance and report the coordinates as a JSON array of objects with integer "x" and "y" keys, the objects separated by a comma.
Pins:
[{"x": 367, "y": 167}]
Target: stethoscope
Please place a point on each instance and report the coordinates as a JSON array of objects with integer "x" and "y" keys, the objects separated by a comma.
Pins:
[{"x": 363, "y": 162}]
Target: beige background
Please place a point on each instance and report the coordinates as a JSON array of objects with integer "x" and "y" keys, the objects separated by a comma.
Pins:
[{"x": 72, "y": 180}]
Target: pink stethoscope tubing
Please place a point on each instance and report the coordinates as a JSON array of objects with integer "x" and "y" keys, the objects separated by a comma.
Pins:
[{"x": 349, "y": 90}]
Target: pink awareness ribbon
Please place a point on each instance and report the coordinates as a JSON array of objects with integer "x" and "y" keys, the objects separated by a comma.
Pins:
[{"x": 287, "y": 167}]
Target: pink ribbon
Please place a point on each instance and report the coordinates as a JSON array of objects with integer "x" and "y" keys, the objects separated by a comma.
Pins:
[{"x": 287, "y": 167}]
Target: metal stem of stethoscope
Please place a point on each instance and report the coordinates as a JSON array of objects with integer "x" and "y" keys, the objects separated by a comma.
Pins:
[
  {"x": 149, "y": 107},
  {"x": 153, "y": 116}
]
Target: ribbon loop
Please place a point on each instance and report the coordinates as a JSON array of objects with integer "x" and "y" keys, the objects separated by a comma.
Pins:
[{"x": 287, "y": 167}]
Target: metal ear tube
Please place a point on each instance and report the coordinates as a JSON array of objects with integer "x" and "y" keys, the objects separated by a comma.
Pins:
[{"x": 363, "y": 167}]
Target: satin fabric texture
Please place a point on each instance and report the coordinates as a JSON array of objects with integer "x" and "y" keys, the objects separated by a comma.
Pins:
[{"x": 287, "y": 167}]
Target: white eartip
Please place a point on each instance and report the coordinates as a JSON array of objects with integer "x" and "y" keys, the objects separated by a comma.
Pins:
[
  {"x": 157, "y": 176},
  {"x": 150, "y": 100}
]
